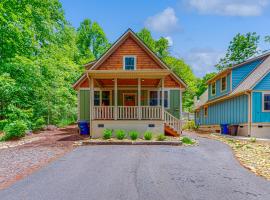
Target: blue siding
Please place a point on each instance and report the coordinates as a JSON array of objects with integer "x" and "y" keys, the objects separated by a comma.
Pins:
[
  {"x": 264, "y": 84},
  {"x": 240, "y": 73},
  {"x": 257, "y": 114},
  {"x": 218, "y": 88},
  {"x": 232, "y": 111}
]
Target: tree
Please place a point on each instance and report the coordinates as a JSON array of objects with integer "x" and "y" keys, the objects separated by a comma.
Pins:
[
  {"x": 267, "y": 39},
  {"x": 242, "y": 47},
  {"x": 160, "y": 46},
  {"x": 92, "y": 41},
  {"x": 202, "y": 85}
]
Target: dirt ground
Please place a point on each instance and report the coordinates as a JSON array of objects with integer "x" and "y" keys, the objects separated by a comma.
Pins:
[{"x": 21, "y": 158}]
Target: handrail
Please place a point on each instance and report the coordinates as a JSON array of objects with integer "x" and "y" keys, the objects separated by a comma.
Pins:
[{"x": 172, "y": 122}]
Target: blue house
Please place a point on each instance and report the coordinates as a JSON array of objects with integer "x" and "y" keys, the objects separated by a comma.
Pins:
[{"x": 239, "y": 95}]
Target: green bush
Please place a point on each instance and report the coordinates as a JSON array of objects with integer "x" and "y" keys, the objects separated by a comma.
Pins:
[
  {"x": 148, "y": 135},
  {"x": 120, "y": 134},
  {"x": 133, "y": 135},
  {"x": 253, "y": 139},
  {"x": 190, "y": 125},
  {"x": 14, "y": 130},
  {"x": 107, "y": 134},
  {"x": 161, "y": 137},
  {"x": 39, "y": 124},
  {"x": 3, "y": 123},
  {"x": 187, "y": 140}
]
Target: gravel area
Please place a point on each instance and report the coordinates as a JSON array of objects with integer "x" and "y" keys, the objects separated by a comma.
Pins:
[{"x": 19, "y": 158}]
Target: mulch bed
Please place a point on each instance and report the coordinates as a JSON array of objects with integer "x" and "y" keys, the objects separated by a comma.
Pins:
[
  {"x": 93, "y": 142},
  {"x": 20, "y": 159}
]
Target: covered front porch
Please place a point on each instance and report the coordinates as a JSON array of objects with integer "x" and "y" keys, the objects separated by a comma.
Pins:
[{"x": 140, "y": 97}]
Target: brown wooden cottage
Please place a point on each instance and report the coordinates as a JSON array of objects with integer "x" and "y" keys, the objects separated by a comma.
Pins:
[{"x": 130, "y": 88}]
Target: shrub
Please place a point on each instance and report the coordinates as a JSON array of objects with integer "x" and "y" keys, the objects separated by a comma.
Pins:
[
  {"x": 161, "y": 137},
  {"x": 133, "y": 135},
  {"x": 14, "y": 130},
  {"x": 107, "y": 134},
  {"x": 3, "y": 123},
  {"x": 39, "y": 124},
  {"x": 187, "y": 140},
  {"x": 120, "y": 134},
  {"x": 190, "y": 125},
  {"x": 148, "y": 135},
  {"x": 253, "y": 139}
]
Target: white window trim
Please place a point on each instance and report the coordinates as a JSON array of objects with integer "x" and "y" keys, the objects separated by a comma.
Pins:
[
  {"x": 213, "y": 94},
  {"x": 124, "y": 62},
  {"x": 159, "y": 97},
  {"x": 225, "y": 84},
  {"x": 100, "y": 90},
  {"x": 263, "y": 93}
]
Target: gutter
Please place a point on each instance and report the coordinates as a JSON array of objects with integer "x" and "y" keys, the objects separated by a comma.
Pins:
[{"x": 249, "y": 112}]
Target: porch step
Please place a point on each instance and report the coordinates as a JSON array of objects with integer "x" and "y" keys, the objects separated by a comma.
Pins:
[{"x": 169, "y": 131}]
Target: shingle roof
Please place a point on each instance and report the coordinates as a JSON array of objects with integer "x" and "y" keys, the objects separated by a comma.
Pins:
[
  {"x": 247, "y": 84},
  {"x": 202, "y": 100},
  {"x": 253, "y": 77}
]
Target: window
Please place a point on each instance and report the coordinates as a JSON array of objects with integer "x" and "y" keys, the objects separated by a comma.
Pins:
[
  {"x": 96, "y": 98},
  {"x": 213, "y": 88},
  {"x": 166, "y": 98},
  {"x": 129, "y": 63},
  {"x": 153, "y": 98},
  {"x": 266, "y": 102},
  {"x": 105, "y": 98},
  {"x": 205, "y": 111},
  {"x": 223, "y": 84}
]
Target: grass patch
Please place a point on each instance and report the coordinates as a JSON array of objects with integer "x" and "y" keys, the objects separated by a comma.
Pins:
[{"x": 187, "y": 140}]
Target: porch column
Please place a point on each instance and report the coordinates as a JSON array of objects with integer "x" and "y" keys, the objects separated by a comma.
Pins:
[
  {"x": 91, "y": 102},
  {"x": 139, "y": 99},
  {"x": 162, "y": 98},
  {"x": 115, "y": 99},
  {"x": 181, "y": 104}
]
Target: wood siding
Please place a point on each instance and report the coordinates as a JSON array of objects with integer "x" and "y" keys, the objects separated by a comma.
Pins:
[
  {"x": 220, "y": 93},
  {"x": 264, "y": 84},
  {"x": 231, "y": 111},
  {"x": 258, "y": 116}
]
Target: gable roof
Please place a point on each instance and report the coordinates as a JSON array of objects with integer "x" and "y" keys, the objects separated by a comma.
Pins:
[
  {"x": 247, "y": 84},
  {"x": 221, "y": 73},
  {"x": 129, "y": 33}
]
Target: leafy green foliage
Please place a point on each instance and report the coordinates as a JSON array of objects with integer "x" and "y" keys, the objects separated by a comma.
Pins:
[
  {"x": 107, "y": 134},
  {"x": 161, "y": 137},
  {"x": 120, "y": 134},
  {"x": 92, "y": 41},
  {"x": 242, "y": 47},
  {"x": 189, "y": 125},
  {"x": 187, "y": 140},
  {"x": 3, "y": 123},
  {"x": 148, "y": 135},
  {"x": 38, "y": 124},
  {"x": 133, "y": 135},
  {"x": 14, "y": 130}
]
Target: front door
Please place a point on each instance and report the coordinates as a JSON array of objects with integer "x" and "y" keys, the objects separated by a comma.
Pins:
[{"x": 129, "y": 99}]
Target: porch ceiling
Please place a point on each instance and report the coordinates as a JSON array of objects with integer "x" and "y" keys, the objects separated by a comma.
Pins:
[
  {"x": 105, "y": 74},
  {"x": 129, "y": 82}
]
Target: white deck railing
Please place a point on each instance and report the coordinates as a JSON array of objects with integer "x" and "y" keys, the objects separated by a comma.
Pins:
[
  {"x": 103, "y": 112},
  {"x": 172, "y": 122},
  {"x": 127, "y": 112}
]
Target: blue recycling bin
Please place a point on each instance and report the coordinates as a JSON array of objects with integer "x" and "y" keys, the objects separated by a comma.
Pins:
[
  {"x": 84, "y": 127},
  {"x": 224, "y": 129}
]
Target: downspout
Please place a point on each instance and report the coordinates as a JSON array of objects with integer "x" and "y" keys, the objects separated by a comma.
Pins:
[{"x": 249, "y": 112}]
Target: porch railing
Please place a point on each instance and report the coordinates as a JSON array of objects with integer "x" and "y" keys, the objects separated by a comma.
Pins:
[
  {"x": 127, "y": 112},
  {"x": 172, "y": 122}
]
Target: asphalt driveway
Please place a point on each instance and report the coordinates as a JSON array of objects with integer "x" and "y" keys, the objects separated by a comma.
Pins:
[{"x": 205, "y": 172}]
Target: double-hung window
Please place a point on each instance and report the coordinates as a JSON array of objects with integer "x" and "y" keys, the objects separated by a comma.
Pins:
[
  {"x": 166, "y": 98},
  {"x": 205, "y": 111},
  {"x": 223, "y": 84},
  {"x": 101, "y": 98},
  {"x": 213, "y": 88},
  {"x": 266, "y": 102},
  {"x": 153, "y": 96},
  {"x": 129, "y": 62}
]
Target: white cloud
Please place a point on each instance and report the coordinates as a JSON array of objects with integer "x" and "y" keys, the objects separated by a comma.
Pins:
[
  {"x": 203, "y": 61},
  {"x": 163, "y": 22},
  {"x": 170, "y": 40},
  {"x": 229, "y": 7}
]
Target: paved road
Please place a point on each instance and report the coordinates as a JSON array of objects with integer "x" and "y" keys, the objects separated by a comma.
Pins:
[{"x": 206, "y": 172}]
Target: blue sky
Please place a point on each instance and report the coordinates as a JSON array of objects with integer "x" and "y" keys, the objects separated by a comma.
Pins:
[{"x": 199, "y": 30}]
